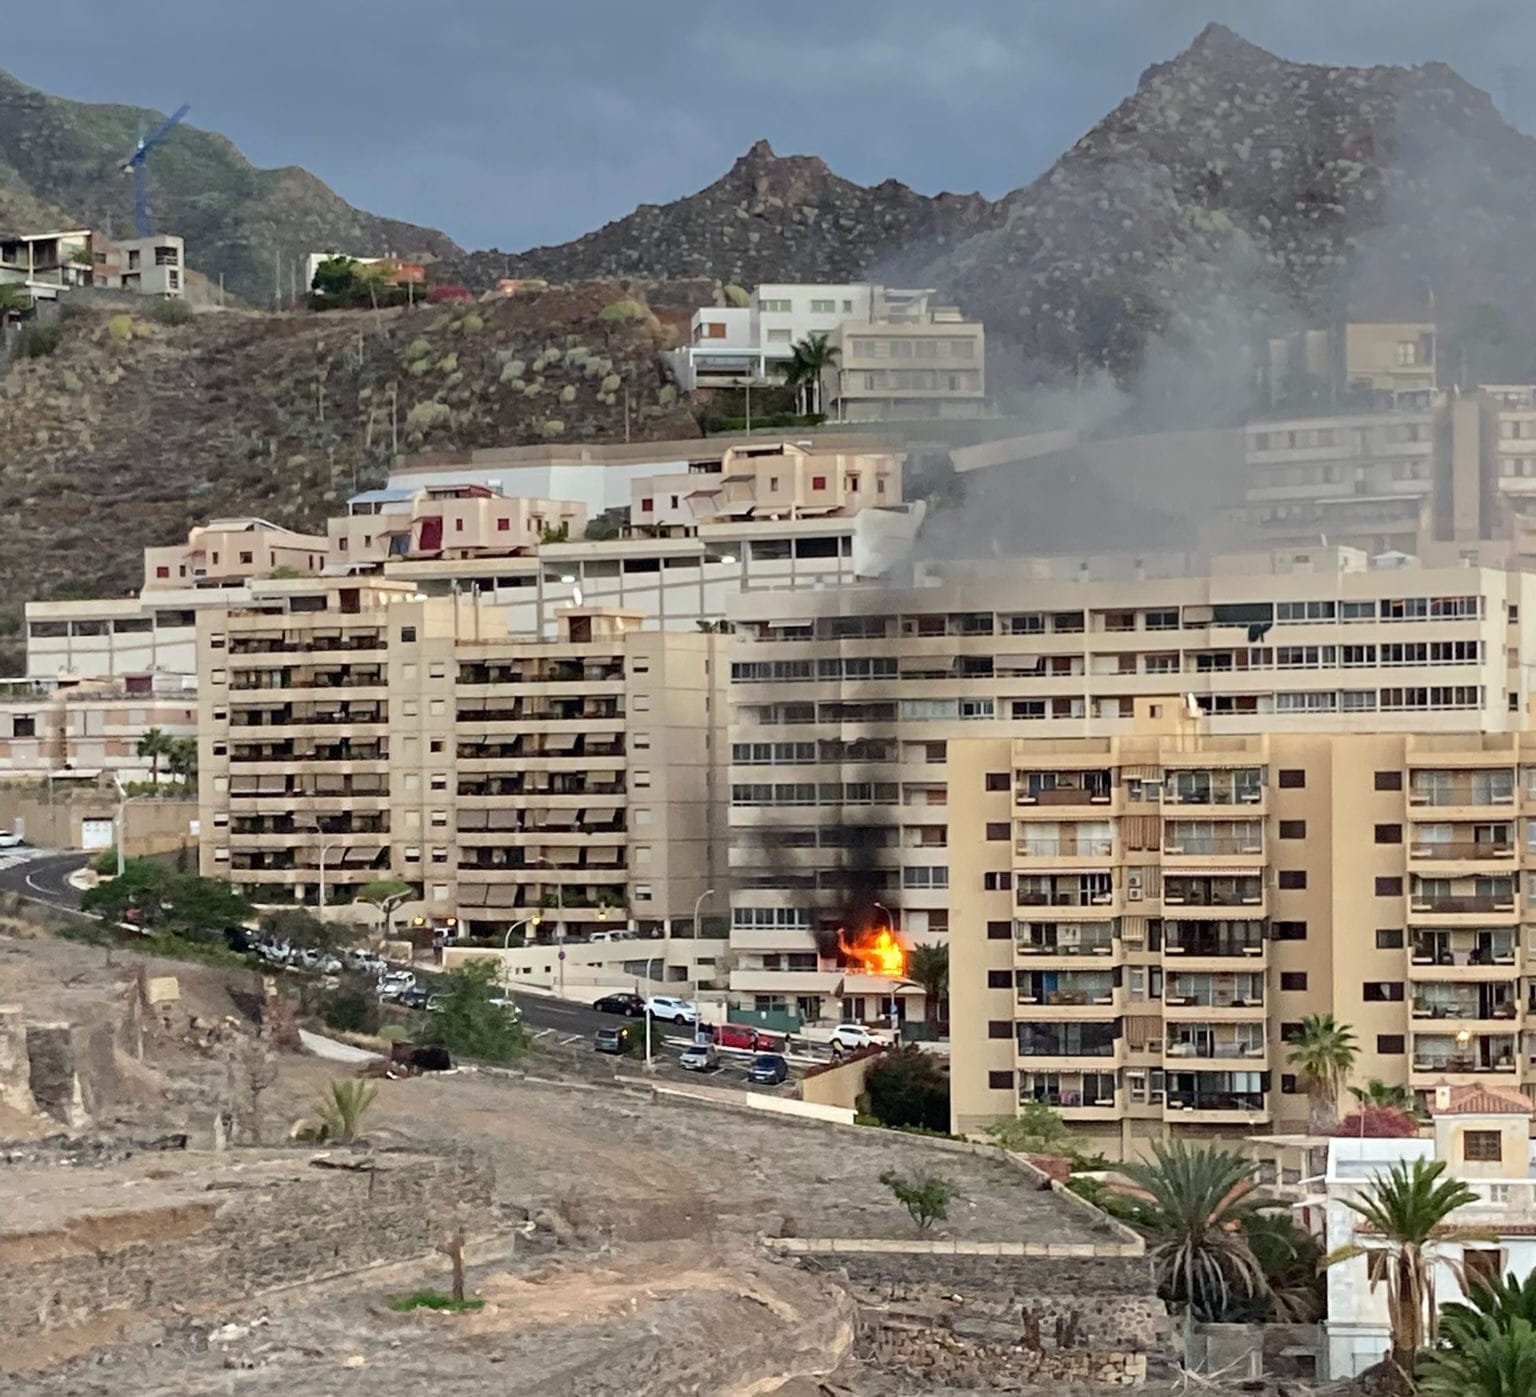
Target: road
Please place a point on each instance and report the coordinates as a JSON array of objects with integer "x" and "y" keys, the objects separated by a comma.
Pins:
[{"x": 41, "y": 875}]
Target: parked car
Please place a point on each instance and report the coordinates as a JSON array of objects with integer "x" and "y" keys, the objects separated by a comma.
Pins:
[
  {"x": 507, "y": 1003},
  {"x": 413, "y": 997},
  {"x": 735, "y": 1035},
  {"x": 768, "y": 1069},
  {"x": 610, "y": 1040},
  {"x": 396, "y": 983},
  {"x": 241, "y": 939},
  {"x": 632, "y": 1006},
  {"x": 856, "y": 1035},
  {"x": 701, "y": 1057},
  {"x": 9, "y": 839},
  {"x": 665, "y": 1007}
]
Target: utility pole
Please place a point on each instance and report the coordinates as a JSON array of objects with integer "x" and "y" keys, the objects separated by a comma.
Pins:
[{"x": 277, "y": 279}]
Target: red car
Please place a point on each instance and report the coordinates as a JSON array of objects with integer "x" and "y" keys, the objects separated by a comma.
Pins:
[{"x": 740, "y": 1035}]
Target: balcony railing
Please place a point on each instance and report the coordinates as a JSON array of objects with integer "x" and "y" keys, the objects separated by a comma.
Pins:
[
  {"x": 1095, "y": 946},
  {"x": 1469, "y": 793},
  {"x": 1202, "y": 847},
  {"x": 1463, "y": 849},
  {"x": 1060, "y": 796},
  {"x": 1461, "y": 903},
  {"x": 1466, "y": 1008},
  {"x": 1066, "y": 848},
  {"x": 1216, "y": 1101},
  {"x": 1213, "y": 946}
]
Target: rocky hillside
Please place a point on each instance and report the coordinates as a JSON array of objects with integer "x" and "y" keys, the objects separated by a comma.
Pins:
[
  {"x": 132, "y": 430},
  {"x": 1234, "y": 186},
  {"x": 770, "y": 218},
  {"x": 60, "y": 162}
]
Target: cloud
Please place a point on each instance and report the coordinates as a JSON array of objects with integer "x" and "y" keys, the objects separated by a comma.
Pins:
[{"x": 513, "y": 123}]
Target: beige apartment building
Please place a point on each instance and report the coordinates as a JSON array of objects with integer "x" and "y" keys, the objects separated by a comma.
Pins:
[
  {"x": 228, "y": 552},
  {"x": 858, "y": 719},
  {"x": 352, "y": 730},
  {"x": 48, "y": 728},
  {"x": 913, "y": 360}
]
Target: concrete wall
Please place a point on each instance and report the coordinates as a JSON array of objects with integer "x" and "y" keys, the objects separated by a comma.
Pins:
[
  {"x": 153, "y": 826},
  {"x": 838, "y": 1086}
]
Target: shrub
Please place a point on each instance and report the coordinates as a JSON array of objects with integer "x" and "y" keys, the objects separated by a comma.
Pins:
[
  {"x": 418, "y": 348},
  {"x": 471, "y": 324},
  {"x": 668, "y": 395},
  {"x": 105, "y": 863},
  {"x": 611, "y": 383},
  {"x": 553, "y": 427},
  {"x": 925, "y": 1197},
  {"x": 351, "y": 1007},
  {"x": 343, "y": 1107},
  {"x": 448, "y": 363},
  {"x": 418, "y": 367},
  {"x": 466, "y": 1022},
  {"x": 39, "y": 341},
  {"x": 568, "y": 393},
  {"x": 120, "y": 328},
  {"x": 736, "y": 296},
  {"x": 425, "y": 416},
  {"x": 908, "y": 1087},
  {"x": 435, "y": 1300},
  {"x": 171, "y": 311},
  {"x": 624, "y": 311},
  {"x": 512, "y": 369}
]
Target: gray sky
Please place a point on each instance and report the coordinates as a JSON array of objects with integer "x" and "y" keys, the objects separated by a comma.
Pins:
[{"x": 516, "y": 122}]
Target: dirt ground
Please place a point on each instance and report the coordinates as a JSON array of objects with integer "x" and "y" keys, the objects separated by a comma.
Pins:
[{"x": 625, "y": 1256}]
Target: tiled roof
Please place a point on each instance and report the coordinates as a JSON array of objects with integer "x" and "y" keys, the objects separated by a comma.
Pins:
[{"x": 1481, "y": 1100}]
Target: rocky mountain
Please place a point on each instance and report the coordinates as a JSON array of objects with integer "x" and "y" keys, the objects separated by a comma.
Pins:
[
  {"x": 1235, "y": 187},
  {"x": 60, "y": 163},
  {"x": 769, "y": 218},
  {"x": 133, "y": 429}
]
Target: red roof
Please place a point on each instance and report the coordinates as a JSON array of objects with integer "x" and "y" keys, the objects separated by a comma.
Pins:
[{"x": 1481, "y": 1100}]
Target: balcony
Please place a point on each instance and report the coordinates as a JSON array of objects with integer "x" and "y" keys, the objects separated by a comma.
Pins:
[
  {"x": 1234, "y": 890},
  {"x": 1240, "y": 786},
  {"x": 1066, "y": 1041},
  {"x": 1471, "y": 790},
  {"x": 1464, "y": 1052},
  {"x": 1467, "y": 1003},
  {"x": 1050, "y": 939},
  {"x": 1221, "y": 1106},
  {"x": 1056, "y": 788},
  {"x": 1460, "y": 898},
  {"x": 1065, "y": 846},
  {"x": 1463, "y": 950},
  {"x": 1214, "y": 992},
  {"x": 1190, "y": 845},
  {"x": 1205, "y": 1044},
  {"x": 1075, "y": 1096},
  {"x": 1067, "y": 989},
  {"x": 1214, "y": 939},
  {"x": 1448, "y": 850}
]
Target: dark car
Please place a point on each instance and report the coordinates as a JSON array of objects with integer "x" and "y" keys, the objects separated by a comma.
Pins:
[
  {"x": 610, "y": 1040},
  {"x": 632, "y": 1006},
  {"x": 241, "y": 939},
  {"x": 769, "y": 1069},
  {"x": 413, "y": 998}
]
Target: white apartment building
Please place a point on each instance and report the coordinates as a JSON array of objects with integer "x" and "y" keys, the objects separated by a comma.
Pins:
[
  {"x": 721, "y": 351},
  {"x": 49, "y": 728},
  {"x": 154, "y": 266},
  {"x": 784, "y": 313}
]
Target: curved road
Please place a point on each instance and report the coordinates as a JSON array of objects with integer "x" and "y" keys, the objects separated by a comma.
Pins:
[{"x": 44, "y": 878}]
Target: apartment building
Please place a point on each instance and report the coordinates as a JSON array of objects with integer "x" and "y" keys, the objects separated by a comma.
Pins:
[
  {"x": 49, "y": 728},
  {"x": 926, "y": 362},
  {"x": 452, "y": 521},
  {"x": 352, "y": 730},
  {"x": 46, "y": 263},
  {"x": 229, "y": 552},
  {"x": 884, "y": 734},
  {"x": 154, "y": 266},
  {"x": 721, "y": 352}
]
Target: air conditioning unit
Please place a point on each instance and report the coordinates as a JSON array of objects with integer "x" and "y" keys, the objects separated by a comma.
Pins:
[{"x": 1133, "y": 886}]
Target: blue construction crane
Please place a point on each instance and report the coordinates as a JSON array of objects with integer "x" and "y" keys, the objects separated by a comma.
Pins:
[{"x": 134, "y": 165}]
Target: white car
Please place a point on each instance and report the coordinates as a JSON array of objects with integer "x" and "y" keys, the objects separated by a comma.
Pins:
[
  {"x": 664, "y": 1006},
  {"x": 9, "y": 839},
  {"x": 855, "y": 1035}
]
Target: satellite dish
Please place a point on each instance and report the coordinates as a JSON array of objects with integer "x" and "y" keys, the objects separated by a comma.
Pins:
[{"x": 576, "y": 595}]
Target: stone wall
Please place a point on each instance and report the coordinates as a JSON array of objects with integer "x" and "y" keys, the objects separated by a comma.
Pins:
[
  {"x": 205, "y": 1231},
  {"x": 999, "y": 1320}
]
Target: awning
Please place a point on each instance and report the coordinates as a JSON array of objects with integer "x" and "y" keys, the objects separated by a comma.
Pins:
[
  {"x": 473, "y": 819},
  {"x": 384, "y": 496},
  {"x": 502, "y": 819},
  {"x": 472, "y": 894},
  {"x": 272, "y": 785},
  {"x": 1252, "y": 870},
  {"x": 560, "y": 741},
  {"x": 501, "y": 894}
]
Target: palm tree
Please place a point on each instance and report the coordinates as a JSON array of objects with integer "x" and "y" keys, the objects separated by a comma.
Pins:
[
  {"x": 342, "y": 1109},
  {"x": 1322, "y": 1052},
  {"x": 802, "y": 371},
  {"x": 181, "y": 758},
  {"x": 1199, "y": 1202},
  {"x": 1404, "y": 1209},
  {"x": 1487, "y": 1344},
  {"x": 929, "y": 966},
  {"x": 1379, "y": 1093},
  {"x": 154, "y": 744}
]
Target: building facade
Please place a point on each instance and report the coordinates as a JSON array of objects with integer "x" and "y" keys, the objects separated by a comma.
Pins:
[{"x": 83, "y": 728}]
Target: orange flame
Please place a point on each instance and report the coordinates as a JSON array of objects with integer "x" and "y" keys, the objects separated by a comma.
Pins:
[{"x": 875, "y": 952}]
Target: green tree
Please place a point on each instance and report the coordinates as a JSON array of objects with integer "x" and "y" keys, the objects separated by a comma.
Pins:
[
  {"x": 305, "y": 931},
  {"x": 467, "y": 1021},
  {"x": 808, "y": 361},
  {"x": 388, "y": 895},
  {"x": 1402, "y": 1213},
  {"x": 208, "y": 905},
  {"x": 181, "y": 758},
  {"x": 1199, "y": 1201},
  {"x": 143, "y": 888},
  {"x": 1322, "y": 1052},
  {"x": 928, "y": 965},
  {"x": 154, "y": 745},
  {"x": 1037, "y": 1129},
  {"x": 352, "y": 1007},
  {"x": 907, "y": 1086},
  {"x": 336, "y": 276},
  {"x": 1290, "y": 1260},
  {"x": 1487, "y": 1343},
  {"x": 925, "y": 1197},
  {"x": 342, "y": 1109},
  {"x": 1377, "y": 1093},
  {"x": 14, "y": 299}
]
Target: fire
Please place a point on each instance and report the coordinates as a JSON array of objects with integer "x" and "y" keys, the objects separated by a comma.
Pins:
[{"x": 875, "y": 952}]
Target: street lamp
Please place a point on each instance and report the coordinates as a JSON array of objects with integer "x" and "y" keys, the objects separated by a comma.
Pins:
[
  {"x": 120, "y": 825},
  {"x": 697, "y": 903},
  {"x": 526, "y": 921},
  {"x": 559, "y": 924},
  {"x": 324, "y": 850},
  {"x": 890, "y": 926}
]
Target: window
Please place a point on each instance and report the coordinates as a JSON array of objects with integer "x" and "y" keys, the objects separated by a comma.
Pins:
[
  {"x": 999, "y": 979},
  {"x": 823, "y": 307},
  {"x": 1389, "y": 939},
  {"x": 1390, "y": 1044},
  {"x": 997, "y": 781},
  {"x": 1290, "y": 931},
  {"x": 818, "y": 482},
  {"x": 1000, "y": 1081},
  {"x": 999, "y": 931},
  {"x": 1288, "y": 1083},
  {"x": 1382, "y": 992},
  {"x": 999, "y": 1028},
  {"x": 925, "y": 876},
  {"x": 1294, "y": 879},
  {"x": 1389, "y": 887},
  {"x": 162, "y": 572},
  {"x": 407, "y": 635},
  {"x": 1290, "y": 779},
  {"x": 1484, "y": 1146},
  {"x": 776, "y": 305},
  {"x": 1293, "y": 979},
  {"x": 1293, "y": 829},
  {"x": 997, "y": 829},
  {"x": 1389, "y": 834},
  {"x": 996, "y": 882}
]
